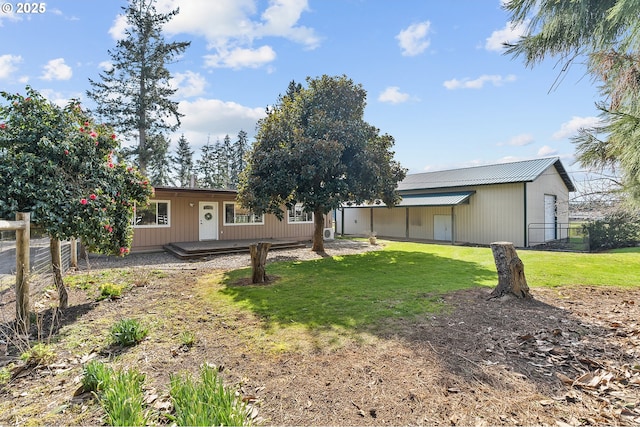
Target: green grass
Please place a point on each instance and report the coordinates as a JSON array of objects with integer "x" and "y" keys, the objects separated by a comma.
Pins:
[{"x": 406, "y": 280}]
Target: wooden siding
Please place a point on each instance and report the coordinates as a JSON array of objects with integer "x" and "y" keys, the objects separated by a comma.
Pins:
[{"x": 184, "y": 223}]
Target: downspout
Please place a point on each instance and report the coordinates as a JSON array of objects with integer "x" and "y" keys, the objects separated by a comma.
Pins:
[
  {"x": 526, "y": 243},
  {"x": 371, "y": 219},
  {"x": 342, "y": 223}
]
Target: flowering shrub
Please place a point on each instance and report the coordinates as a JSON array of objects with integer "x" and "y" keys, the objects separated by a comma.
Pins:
[{"x": 58, "y": 164}]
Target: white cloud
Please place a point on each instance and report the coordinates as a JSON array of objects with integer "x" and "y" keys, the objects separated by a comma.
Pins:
[
  {"x": 413, "y": 40},
  {"x": 521, "y": 140},
  {"x": 231, "y": 26},
  {"x": 188, "y": 84},
  {"x": 204, "y": 117},
  {"x": 8, "y": 65},
  {"x": 478, "y": 83},
  {"x": 241, "y": 58},
  {"x": 105, "y": 65},
  {"x": 56, "y": 69},
  {"x": 393, "y": 95},
  {"x": 509, "y": 34},
  {"x": 571, "y": 128},
  {"x": 547, "y": 151}
]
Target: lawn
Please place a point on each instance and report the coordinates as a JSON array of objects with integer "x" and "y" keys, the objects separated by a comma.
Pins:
[{"x": 405, "y": 280}]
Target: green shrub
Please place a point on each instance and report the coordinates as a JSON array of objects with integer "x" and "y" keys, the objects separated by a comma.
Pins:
[
  {"x": 39, "y": 355},
  {"x": 110, "y": 291},
  {"x": 188, "y": 338},
  {"x": 205, "y": 402},
  {"x": 5, "y": 375},
  {"x": 128, "y": 332},
  {"x": 619, "y": 229}
]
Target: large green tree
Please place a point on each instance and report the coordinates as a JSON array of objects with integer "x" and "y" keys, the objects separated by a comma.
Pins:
[
  {"x": 183, "y": 162},
  {"x": 57, "y": 163},
  {"x": 315, "y": 148},
  {"x": 134, "y": 95},
  {"x": 607, "y": 34}
]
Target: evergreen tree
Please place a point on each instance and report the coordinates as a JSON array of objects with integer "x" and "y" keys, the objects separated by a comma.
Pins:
[
  {"x": 225, "y": 160},
  {"x": 183, "y": 161},
  {"x": 207, "y": 166},
  {"x": 135, "y": 93},
  {"x": 160, "y": 162},
  {"x": 238, "y": 161}
]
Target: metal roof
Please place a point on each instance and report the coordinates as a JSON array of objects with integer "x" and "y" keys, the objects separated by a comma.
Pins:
[
  {"x": 435, "y": 199},
  {"x": 503, "y": 173}
]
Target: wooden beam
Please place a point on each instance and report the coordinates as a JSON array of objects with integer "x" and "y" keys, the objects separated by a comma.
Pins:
[{"x": 13, "y": 225}]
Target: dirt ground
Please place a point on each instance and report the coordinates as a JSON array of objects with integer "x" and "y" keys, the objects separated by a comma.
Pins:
[{"x": 570, "y": 356}]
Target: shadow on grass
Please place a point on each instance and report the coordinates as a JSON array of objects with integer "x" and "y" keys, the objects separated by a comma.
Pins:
[{"x": 356, "y": 292}]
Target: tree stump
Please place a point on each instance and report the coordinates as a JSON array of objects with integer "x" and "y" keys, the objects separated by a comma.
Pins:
[
  {"x": 511, "y": 279},
  {"x": 258, "y": 261}
]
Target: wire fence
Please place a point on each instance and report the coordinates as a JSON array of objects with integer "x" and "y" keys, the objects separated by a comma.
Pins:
[{"x": 560, "y": 237}]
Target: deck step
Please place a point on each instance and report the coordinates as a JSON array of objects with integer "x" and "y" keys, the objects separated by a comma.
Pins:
[{"x": 184, "y": 252}]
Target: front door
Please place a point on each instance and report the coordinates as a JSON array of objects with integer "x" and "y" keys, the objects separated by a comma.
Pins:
[
  {"x": 208, "y": 221},
  {"x": 442, "y": 227}
]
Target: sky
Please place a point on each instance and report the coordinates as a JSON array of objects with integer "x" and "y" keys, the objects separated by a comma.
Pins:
[{"x": 435, "y": 74}]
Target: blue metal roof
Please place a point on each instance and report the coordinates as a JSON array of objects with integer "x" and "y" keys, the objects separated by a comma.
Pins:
[{"x": 503, "y": 173}]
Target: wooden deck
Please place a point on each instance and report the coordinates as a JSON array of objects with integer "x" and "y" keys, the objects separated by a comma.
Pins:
[{"x": 200, "y": 249}]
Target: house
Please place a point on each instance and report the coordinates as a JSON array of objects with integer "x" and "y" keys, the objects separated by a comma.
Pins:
[
  {"x": 525, "y": 202},
  {"x": 177, "y": 215}
]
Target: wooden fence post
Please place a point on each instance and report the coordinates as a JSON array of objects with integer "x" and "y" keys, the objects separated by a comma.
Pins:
[
  {"x": 73, "y": 263},
  {"x": 23, "y": 263}
]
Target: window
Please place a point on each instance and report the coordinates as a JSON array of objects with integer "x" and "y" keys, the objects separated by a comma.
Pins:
[
  {"x": 234, "y": 214},
  {"x": 155, "y": 214},
  {"x": 298, "y": 215}
]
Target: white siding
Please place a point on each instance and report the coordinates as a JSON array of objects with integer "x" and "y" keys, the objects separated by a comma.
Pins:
[
  {"x": 390, "y": 222},
  {"x": 421, "y": 221},
  {"x": 550, "y": 183},
  {"x": 356, "y": 221}
]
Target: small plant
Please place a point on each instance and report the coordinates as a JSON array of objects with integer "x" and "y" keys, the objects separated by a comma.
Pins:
[
  {"x": 111, "y": 291},
  {"x": 205, "y": 402},
  {"x": 128, "y": 332},
  {"x": 39, "y": 355},
  {"x": 95, "y": 376},
  {"x": 5, "y": 375},
  {"x": 123, "y": 400},
  {"x": 188, "y": 338}
]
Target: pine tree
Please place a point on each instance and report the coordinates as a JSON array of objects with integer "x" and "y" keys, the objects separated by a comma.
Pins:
[
  {"x": 183, "y": 161},
  {"x": 159, "y": 162},
  {"x": 207, "y": 166},
  {"x": 135, "y": 93},
  {"x": 225, "y": 160},
  {"x": 238, "y": 161}
]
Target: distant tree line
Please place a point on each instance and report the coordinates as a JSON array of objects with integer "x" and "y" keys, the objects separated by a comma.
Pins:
[{"x": 218, "y": 166}]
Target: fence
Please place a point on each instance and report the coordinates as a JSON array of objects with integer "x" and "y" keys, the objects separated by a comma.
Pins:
[{"x": 562, "y": 237}]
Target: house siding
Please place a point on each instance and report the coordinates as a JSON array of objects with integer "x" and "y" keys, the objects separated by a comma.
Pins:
[
  {"x": 549, "y": 183},
  {"x": 184, "y": 223}
]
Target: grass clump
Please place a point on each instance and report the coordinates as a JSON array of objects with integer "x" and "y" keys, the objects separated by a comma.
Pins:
[
  {"x": 119, "y": 392},
  {"x": 39, "y": 355},
  {"x": 111, "y": 290},
  {"x": 205, "y": 402},
  {"x": 128, "y": 332},
  {"x": 5, "y": 375},
  {"x": 188, "y": 338}
]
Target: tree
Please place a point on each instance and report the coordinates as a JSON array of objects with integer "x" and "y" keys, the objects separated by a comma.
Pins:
[
  {"x": 135, "y": 93},
  {"x": 224, "y": 162},
  {"x": 607, "y": 33},
  {"x": 160, "y": 162},
  {"x": 57, "y": 163},
  {"x": 237, "y": 161},
  {"x": 207, "y": 166},
  {"x": 315, "y": 148},
  {"x": 183, "y": 161}
]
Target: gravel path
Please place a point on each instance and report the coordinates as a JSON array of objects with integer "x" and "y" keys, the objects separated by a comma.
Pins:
[{"x": 165, "y": 261}]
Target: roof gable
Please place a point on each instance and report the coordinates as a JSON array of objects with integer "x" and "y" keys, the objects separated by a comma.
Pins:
[{"x": 503, "y": 173}]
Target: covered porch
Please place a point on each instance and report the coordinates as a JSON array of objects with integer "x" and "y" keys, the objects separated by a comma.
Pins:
[{"x": 203, "y": 248}]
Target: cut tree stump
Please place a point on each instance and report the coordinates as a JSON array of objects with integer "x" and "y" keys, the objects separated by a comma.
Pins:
[
  {"x": 258, "y": 261},
  {"x": 511, "y": 279}
]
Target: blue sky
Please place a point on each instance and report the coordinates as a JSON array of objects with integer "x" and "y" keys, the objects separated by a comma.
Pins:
[{"x": 434, "y": 71}]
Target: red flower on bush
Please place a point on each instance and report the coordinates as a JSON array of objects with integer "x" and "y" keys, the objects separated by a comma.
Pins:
[
  {"x": 93, "y": 134},
  {"x": 83, "y": 201},
  {"x": 93, "y": 197},
  {"x": 3, "y": 126},
  {"x": 66, "y": 152},
  {"x": 82, "y": 129},
  {"x": 113, "y": 136},
  {"x": 111, "y": 165}
]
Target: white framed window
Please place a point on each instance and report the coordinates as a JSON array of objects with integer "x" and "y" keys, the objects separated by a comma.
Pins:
[
  {"x": 155, "y": 214},
  {"x": 296, "y": 214},
  {"x": 234, "y": 214}
]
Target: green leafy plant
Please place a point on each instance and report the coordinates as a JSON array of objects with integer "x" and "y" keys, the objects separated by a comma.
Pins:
[
  {"x": 111, "y": 291},
  {"x": 39, "y": 355},
  {"x": 95, "y": 375},
  {"x": 123, "y": 400},
  {"x": 188, "y": 338},
  {"x": 128, "y": 332},
  {"x": 5, "y": 375},
  {"x": 205, "y": 402}
]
